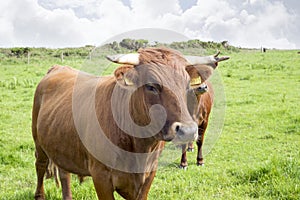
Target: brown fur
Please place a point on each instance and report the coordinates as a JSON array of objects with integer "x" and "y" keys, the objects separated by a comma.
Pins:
[{"x": 163, "y": 56}]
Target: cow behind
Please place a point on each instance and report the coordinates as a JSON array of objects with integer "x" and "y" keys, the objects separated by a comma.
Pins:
[
  {"x": 201, "y": 114},
  {"x": 200, "y": 108}
]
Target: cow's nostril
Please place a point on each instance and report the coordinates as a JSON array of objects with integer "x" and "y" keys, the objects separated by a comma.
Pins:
[{"x": 177, "y": 128}]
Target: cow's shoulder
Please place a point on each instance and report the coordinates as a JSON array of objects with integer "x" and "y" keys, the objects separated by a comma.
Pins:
[
  {"x": 55, "y": 69},
  {"x": 57, "y": 77}
]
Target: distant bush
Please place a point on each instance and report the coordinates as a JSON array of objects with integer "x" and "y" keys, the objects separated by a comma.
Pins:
[
  {"x": 132, "y": 44},
  {"x": 20, "y": 51}
]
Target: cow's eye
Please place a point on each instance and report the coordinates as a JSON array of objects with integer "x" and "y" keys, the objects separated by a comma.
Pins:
[{"x": 152, "y": 88}]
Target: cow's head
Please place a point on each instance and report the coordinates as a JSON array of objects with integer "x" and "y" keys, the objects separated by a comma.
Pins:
[
  {"x": 201, "y": 69},
  {"x": 161, "y": 79}
]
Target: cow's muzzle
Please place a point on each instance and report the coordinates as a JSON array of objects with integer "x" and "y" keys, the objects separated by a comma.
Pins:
[
  {"x": 183, "y": 132},
  {"x": 201, "y": 89}
]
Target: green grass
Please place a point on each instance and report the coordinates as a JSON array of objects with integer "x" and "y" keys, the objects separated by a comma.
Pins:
[{"x": 256, "y": 157}]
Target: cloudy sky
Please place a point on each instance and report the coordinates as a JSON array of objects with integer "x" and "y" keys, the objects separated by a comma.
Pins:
[{"x": 66, "y": 23}]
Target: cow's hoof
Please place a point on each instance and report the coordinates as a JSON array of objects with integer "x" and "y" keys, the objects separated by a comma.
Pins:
[
  {"x": 200, "y": 164},
  {"x": 183, "y": 167},
  {"x": 190, "y": 149},
  {"x": 39, "y": 197}
]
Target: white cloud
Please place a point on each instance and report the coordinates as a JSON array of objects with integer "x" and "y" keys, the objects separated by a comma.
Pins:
[
  {"x": 268, "y": 27},
  {"x": 36, "y": 26},
  {"x": 251, "y": 1},
  {"x": 155, "y": 8},
  {"x": 86, "y": 8},
  {"x": 242, "y": 27},
  {"x": 60, "y": 23}
]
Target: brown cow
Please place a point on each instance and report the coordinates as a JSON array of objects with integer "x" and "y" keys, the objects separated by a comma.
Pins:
[
  {"x": 205, "y": 97},
  {"x": 112, "y": 128},
  {"x": 200, "y": 109}
]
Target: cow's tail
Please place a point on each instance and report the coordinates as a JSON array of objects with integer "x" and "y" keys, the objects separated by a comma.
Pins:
[{"x": 52, "y": 171}]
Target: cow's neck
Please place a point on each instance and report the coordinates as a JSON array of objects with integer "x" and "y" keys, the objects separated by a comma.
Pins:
[
  {"x": 150, "y": 149},
  {"x": 146, "y": 145}
]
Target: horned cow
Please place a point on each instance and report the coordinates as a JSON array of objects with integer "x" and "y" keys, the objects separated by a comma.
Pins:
[{"x": 200, "y": 107}]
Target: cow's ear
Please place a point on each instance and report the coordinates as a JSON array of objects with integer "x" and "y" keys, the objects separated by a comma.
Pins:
[
  {"x": 199, "y": 73},
  {"x": 125, "y": 75}
]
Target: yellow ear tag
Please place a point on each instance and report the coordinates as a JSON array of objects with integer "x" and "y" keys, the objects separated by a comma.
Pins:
[{"x": 196, "y": 81}]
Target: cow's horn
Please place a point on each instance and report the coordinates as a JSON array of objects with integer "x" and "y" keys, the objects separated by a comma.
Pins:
[
  {"x": 128, "y": 82},
  {"x": 205, "y": 59},
  {"x": 131, "y": 58}
]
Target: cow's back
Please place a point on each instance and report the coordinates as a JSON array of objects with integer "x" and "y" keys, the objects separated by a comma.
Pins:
[{"x": 52, "y": 122}]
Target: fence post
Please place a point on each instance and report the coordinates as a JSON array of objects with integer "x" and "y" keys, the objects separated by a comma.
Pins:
[
  {"x": 62, "y": 56},
  {"x": 28, "y": 58}
]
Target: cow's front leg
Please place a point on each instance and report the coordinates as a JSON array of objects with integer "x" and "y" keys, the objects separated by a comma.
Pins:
[
  {"x": 102, "y": 183},
  {"x": 143, "y": 193},
  {"x": 183, "y": 162},
  {"x": 190, "y": 147},
  {"x": 200, "y": 140},
  {"x": 41, "y": 166}
]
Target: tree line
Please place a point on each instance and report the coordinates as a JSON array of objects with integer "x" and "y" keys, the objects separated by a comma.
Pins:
[{"x": 28, "y": 54}]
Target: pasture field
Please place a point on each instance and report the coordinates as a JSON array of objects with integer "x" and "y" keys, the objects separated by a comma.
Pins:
[{"x": 256, "y": 157}]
